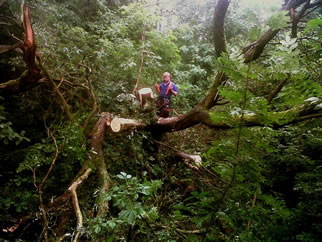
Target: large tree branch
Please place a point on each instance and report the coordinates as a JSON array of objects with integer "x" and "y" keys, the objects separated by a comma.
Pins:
[
  {"x": 212, "y": 97},
  {"x": 255, "y": 49},
  {"x": 199, "y": 115},
  {"x": 296, "y": 18},
  {"x": 219, "y": 30},
  {"x": 221, "y": 47},
  {"x": 95, "y": 157}
]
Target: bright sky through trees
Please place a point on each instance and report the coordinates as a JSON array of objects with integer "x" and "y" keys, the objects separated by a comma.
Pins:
[
  {"x": 261, "y": 3},
  {"x": 167, "y": 9},
  {"x": 266, "y": 7}
]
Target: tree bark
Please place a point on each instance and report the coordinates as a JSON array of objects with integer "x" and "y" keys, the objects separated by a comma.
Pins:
[
  {"x": 97, "y": 158},
  {"x": 219, "y": 30}
]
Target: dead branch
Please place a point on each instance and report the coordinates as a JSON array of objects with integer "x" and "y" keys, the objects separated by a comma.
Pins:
[
  {"x": 57, "y": 91},
  {"x": 7, "y": 48},
  {"x": 253, "y": 205},
  {"x": 91, "y": 91},
  {"x": 196, "y": 231},
  {"x": 39, "y": 188},
  {"x": 29, "y": 45},
  {"x": 77, "y": 209}
]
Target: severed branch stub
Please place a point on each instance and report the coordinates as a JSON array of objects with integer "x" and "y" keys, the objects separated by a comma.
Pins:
[{"x": 123, "y": 124}]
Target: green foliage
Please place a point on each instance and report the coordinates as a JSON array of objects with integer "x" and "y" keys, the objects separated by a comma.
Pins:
[
  {"x": 7, "y": 133},
  {"x": 294, "y": 172},
  {"x": 194, "y": 72},
  {"x": 278, "y": 20},
  {"x": 37, "y": 160},
  {"x": 70, "y": 141},
  {"x": 314, "y": 24},
  {"x": 255, "y": 184},
  {"x": 134, "y": 201}
]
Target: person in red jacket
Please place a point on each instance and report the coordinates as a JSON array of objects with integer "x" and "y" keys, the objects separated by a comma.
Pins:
[{"x": 166, "y": 89}]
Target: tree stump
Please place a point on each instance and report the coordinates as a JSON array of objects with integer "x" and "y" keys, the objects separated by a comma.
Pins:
[{"x": 145, "y": 94}]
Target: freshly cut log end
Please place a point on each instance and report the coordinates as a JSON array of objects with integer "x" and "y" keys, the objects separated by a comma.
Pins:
[
  {"x": 116, "y": 125},
  {"x": 146, "y": 91},
  {"x": 122, "y": 124}
]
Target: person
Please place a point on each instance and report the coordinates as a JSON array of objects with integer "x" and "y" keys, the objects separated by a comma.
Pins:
[{"x": 166, "y": 89}]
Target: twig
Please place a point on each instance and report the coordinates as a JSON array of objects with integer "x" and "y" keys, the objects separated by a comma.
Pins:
[
  {"x": 196, "y": 231},
  {"x": 141, "y": 62},
  {"x": 42, "y": 206},
  {"x": 90, "y": 88},
  {"x": 253, "y": 205},
  {"x": 40, "y": 187},
  {"x": 33, "y": 175},
  {"x": 60, "y": 95}
]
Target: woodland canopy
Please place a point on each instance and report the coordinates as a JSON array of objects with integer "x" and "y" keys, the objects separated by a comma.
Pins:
[{"x": 239, "y": 158}]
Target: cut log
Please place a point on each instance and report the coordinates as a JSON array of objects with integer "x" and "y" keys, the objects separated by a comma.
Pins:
[{"x": 122, "y": 124}]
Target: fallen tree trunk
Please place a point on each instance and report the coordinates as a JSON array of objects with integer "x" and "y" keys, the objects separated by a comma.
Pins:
[{"x": 96, "y": 158}]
